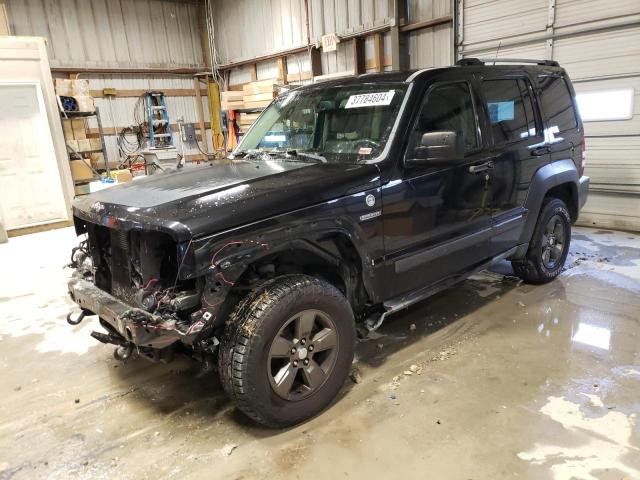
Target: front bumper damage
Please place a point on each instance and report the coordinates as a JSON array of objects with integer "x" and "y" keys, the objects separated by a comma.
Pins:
[{"x": 134, "y": 325}]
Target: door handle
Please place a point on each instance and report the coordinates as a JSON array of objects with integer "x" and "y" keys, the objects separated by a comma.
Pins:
[
  {"x": 539, "y": 151},
  {"x": 482, "y": 167}
]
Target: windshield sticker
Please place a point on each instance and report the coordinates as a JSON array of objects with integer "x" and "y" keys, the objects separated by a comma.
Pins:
[
  {"x": 365, "y": 151},
  {"x": 370, "y": 99}
]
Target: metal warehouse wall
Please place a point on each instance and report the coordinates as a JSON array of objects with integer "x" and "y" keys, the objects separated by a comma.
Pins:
[
  {"x": 598, "y": 43},
  {"x": 431, "y": 47},
  {"x": 131, "y": 34},
  {"x": 107, "y": 33},
  {"x": 280, "y": 25}
]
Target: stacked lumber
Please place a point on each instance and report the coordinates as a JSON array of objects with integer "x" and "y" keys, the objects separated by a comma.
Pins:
[
  {"x": 259, "y": 94},
  {"x": 245, "y": 120},
  {"x": 231, "y": 100}
]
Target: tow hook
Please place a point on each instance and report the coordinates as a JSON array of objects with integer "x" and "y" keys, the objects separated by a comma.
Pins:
[
  {"x": 83, "y": 313},
  {"x": 124, "y": 350}
]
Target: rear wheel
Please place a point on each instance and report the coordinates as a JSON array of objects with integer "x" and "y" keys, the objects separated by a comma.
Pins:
[
  {"x": 287, "y": 350},
  {"x": 549, "y": 244}
]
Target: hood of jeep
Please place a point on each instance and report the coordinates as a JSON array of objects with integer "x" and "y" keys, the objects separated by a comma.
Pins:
[{"x": 204, "y": 200}]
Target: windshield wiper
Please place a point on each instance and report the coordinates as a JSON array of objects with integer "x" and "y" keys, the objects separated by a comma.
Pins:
[{"x": 313, "y": 156}]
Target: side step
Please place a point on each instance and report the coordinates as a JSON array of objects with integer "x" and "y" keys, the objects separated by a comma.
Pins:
[{"x": 400, "y": 303}]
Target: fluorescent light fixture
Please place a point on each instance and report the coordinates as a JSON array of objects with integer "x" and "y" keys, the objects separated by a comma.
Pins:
[
  {"x": 588, "y": 334},
  {"x": 606, "y": 105}
]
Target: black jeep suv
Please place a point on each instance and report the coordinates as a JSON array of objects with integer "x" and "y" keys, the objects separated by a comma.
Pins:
[{"x": 346, "y": 201}]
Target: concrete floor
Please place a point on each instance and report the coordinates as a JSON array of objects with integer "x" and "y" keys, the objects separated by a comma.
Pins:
[{"x": 491, "y": 379}]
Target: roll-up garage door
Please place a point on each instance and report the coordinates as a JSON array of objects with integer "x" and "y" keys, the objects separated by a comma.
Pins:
[{"x": 598, "y": 43}]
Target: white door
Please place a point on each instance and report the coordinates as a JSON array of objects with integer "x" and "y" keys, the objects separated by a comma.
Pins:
[{"x": 30, "y": 188}]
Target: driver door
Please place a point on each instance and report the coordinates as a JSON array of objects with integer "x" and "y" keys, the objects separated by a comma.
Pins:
[{"x": 436, "y": 217}]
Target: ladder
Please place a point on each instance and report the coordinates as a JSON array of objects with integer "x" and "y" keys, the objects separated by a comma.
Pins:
[{"x": 158, "y": 121}]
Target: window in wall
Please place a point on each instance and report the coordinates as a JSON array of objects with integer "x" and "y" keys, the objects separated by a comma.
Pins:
[
  {"x": 556, "y": 103},
  {"x": 510, "y": 109},
  {"x": 606, "y": 105},
  {"x": 448, "y": 108}
]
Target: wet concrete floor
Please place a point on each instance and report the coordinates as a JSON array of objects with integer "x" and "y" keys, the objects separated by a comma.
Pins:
[{"x": 491, "y": 379}]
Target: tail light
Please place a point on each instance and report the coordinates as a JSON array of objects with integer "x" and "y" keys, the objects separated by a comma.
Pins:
[{"x": 583, "y": 146}]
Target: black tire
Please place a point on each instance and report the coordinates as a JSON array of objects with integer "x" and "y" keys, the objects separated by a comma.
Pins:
[
  {"x": 544, "y": 259},
  {"x": 249, "y": 352}
]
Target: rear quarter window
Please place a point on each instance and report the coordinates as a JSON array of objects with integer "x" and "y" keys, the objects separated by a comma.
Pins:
[{"x": 557, "y": 103}]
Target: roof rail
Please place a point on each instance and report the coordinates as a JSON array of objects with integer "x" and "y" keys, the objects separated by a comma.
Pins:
[{"x": 465, "y": 62}]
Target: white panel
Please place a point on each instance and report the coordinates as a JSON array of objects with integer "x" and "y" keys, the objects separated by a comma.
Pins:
[{"x": 29, "y": 194}]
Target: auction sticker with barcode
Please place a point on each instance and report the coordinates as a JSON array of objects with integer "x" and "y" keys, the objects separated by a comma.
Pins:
[{"x": 370, "y": 99}]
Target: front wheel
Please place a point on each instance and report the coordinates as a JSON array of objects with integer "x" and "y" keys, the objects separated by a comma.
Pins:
[
  {"x": 287, "y": 350},
  {"x": 549, "y": 245}
]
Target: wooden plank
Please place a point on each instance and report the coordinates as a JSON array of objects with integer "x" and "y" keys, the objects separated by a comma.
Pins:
[
  {"x": 371, "y": 63},
  {"x": 434, "y": 22},
  {"x": 168, "y": 92},
  {"x": 378, "y": 50},
  {"x": 357, "y": 45},
  {"x": 200, "y": 112},
  {"x": 16, "y": 232},
  {"x": 282, "y": 69},
  {"x": 316, "y": 62},
  {"x": 298, "y": 77}
]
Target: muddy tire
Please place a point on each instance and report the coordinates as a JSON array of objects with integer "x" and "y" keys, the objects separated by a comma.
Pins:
[
  {"x": 287, "y": 350},
  {"x": 549, "y": 244}
]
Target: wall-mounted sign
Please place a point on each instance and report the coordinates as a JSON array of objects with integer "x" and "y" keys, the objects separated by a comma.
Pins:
[{"x": 330, "y": 42}]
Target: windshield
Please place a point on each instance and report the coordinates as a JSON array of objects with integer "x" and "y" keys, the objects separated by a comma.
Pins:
[{"x": 346, "y": 124}]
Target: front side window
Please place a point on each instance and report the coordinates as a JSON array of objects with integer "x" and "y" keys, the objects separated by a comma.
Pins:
[
  {"x": 557, "y": 103},
  {"x": 448, "y": 108},
  {"x": 347, "y": 124},
  {"x": 510, "y": 109}
]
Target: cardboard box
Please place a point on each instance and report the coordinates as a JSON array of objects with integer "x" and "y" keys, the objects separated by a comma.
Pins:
[
  {"x": 121, "y": 176},
  {"x": 79, "y": 134},
  {"x": 232, "y": 105},
  {"x": 67, "y": 128},
  {"x": 257, "y": 105},
  {"x": 263, "y": 86},
  {"x": 63, "y": 87},
  {"x": 73, "y": 144},
  {"x": 96, "y": 159},
  {"x": 85, "y": 103},
  {"x": 84, "y": 145},
  {"x": 80, "y": 87},
  {"x": 95, "y": 144},
  {"x": 80, "y": 170},
  {"x": 258, "y": 97},
  {"x": 247, "y": 118},
  {"x": 231, "y": 96}
]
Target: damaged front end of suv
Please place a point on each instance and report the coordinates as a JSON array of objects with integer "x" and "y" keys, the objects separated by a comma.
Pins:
[{"x": 143, "y": 283}]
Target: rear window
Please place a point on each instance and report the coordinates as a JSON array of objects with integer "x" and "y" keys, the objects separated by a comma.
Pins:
[
  {"x": 510, "y": 109},
  {"x": 557, "y": 104}
]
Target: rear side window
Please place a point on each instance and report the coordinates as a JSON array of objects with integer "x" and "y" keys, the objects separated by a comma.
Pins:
[
  {"x": 557, "y": 104},
  {"x": 510, "y": 109},
  {"x": 448, "y": 108}
]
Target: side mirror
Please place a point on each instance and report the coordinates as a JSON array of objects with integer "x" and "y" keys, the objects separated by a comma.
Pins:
[{"x": 437, "y": 148}]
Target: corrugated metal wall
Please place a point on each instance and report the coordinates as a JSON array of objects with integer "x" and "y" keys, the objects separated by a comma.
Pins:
[
  {"x": 430, "y": 47},
  {"x": 280, "y": 24},
  {"x": 599, "y": 45},
  {"x": 119, "y": 34},
  {"x": 107, "y": 33}
]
